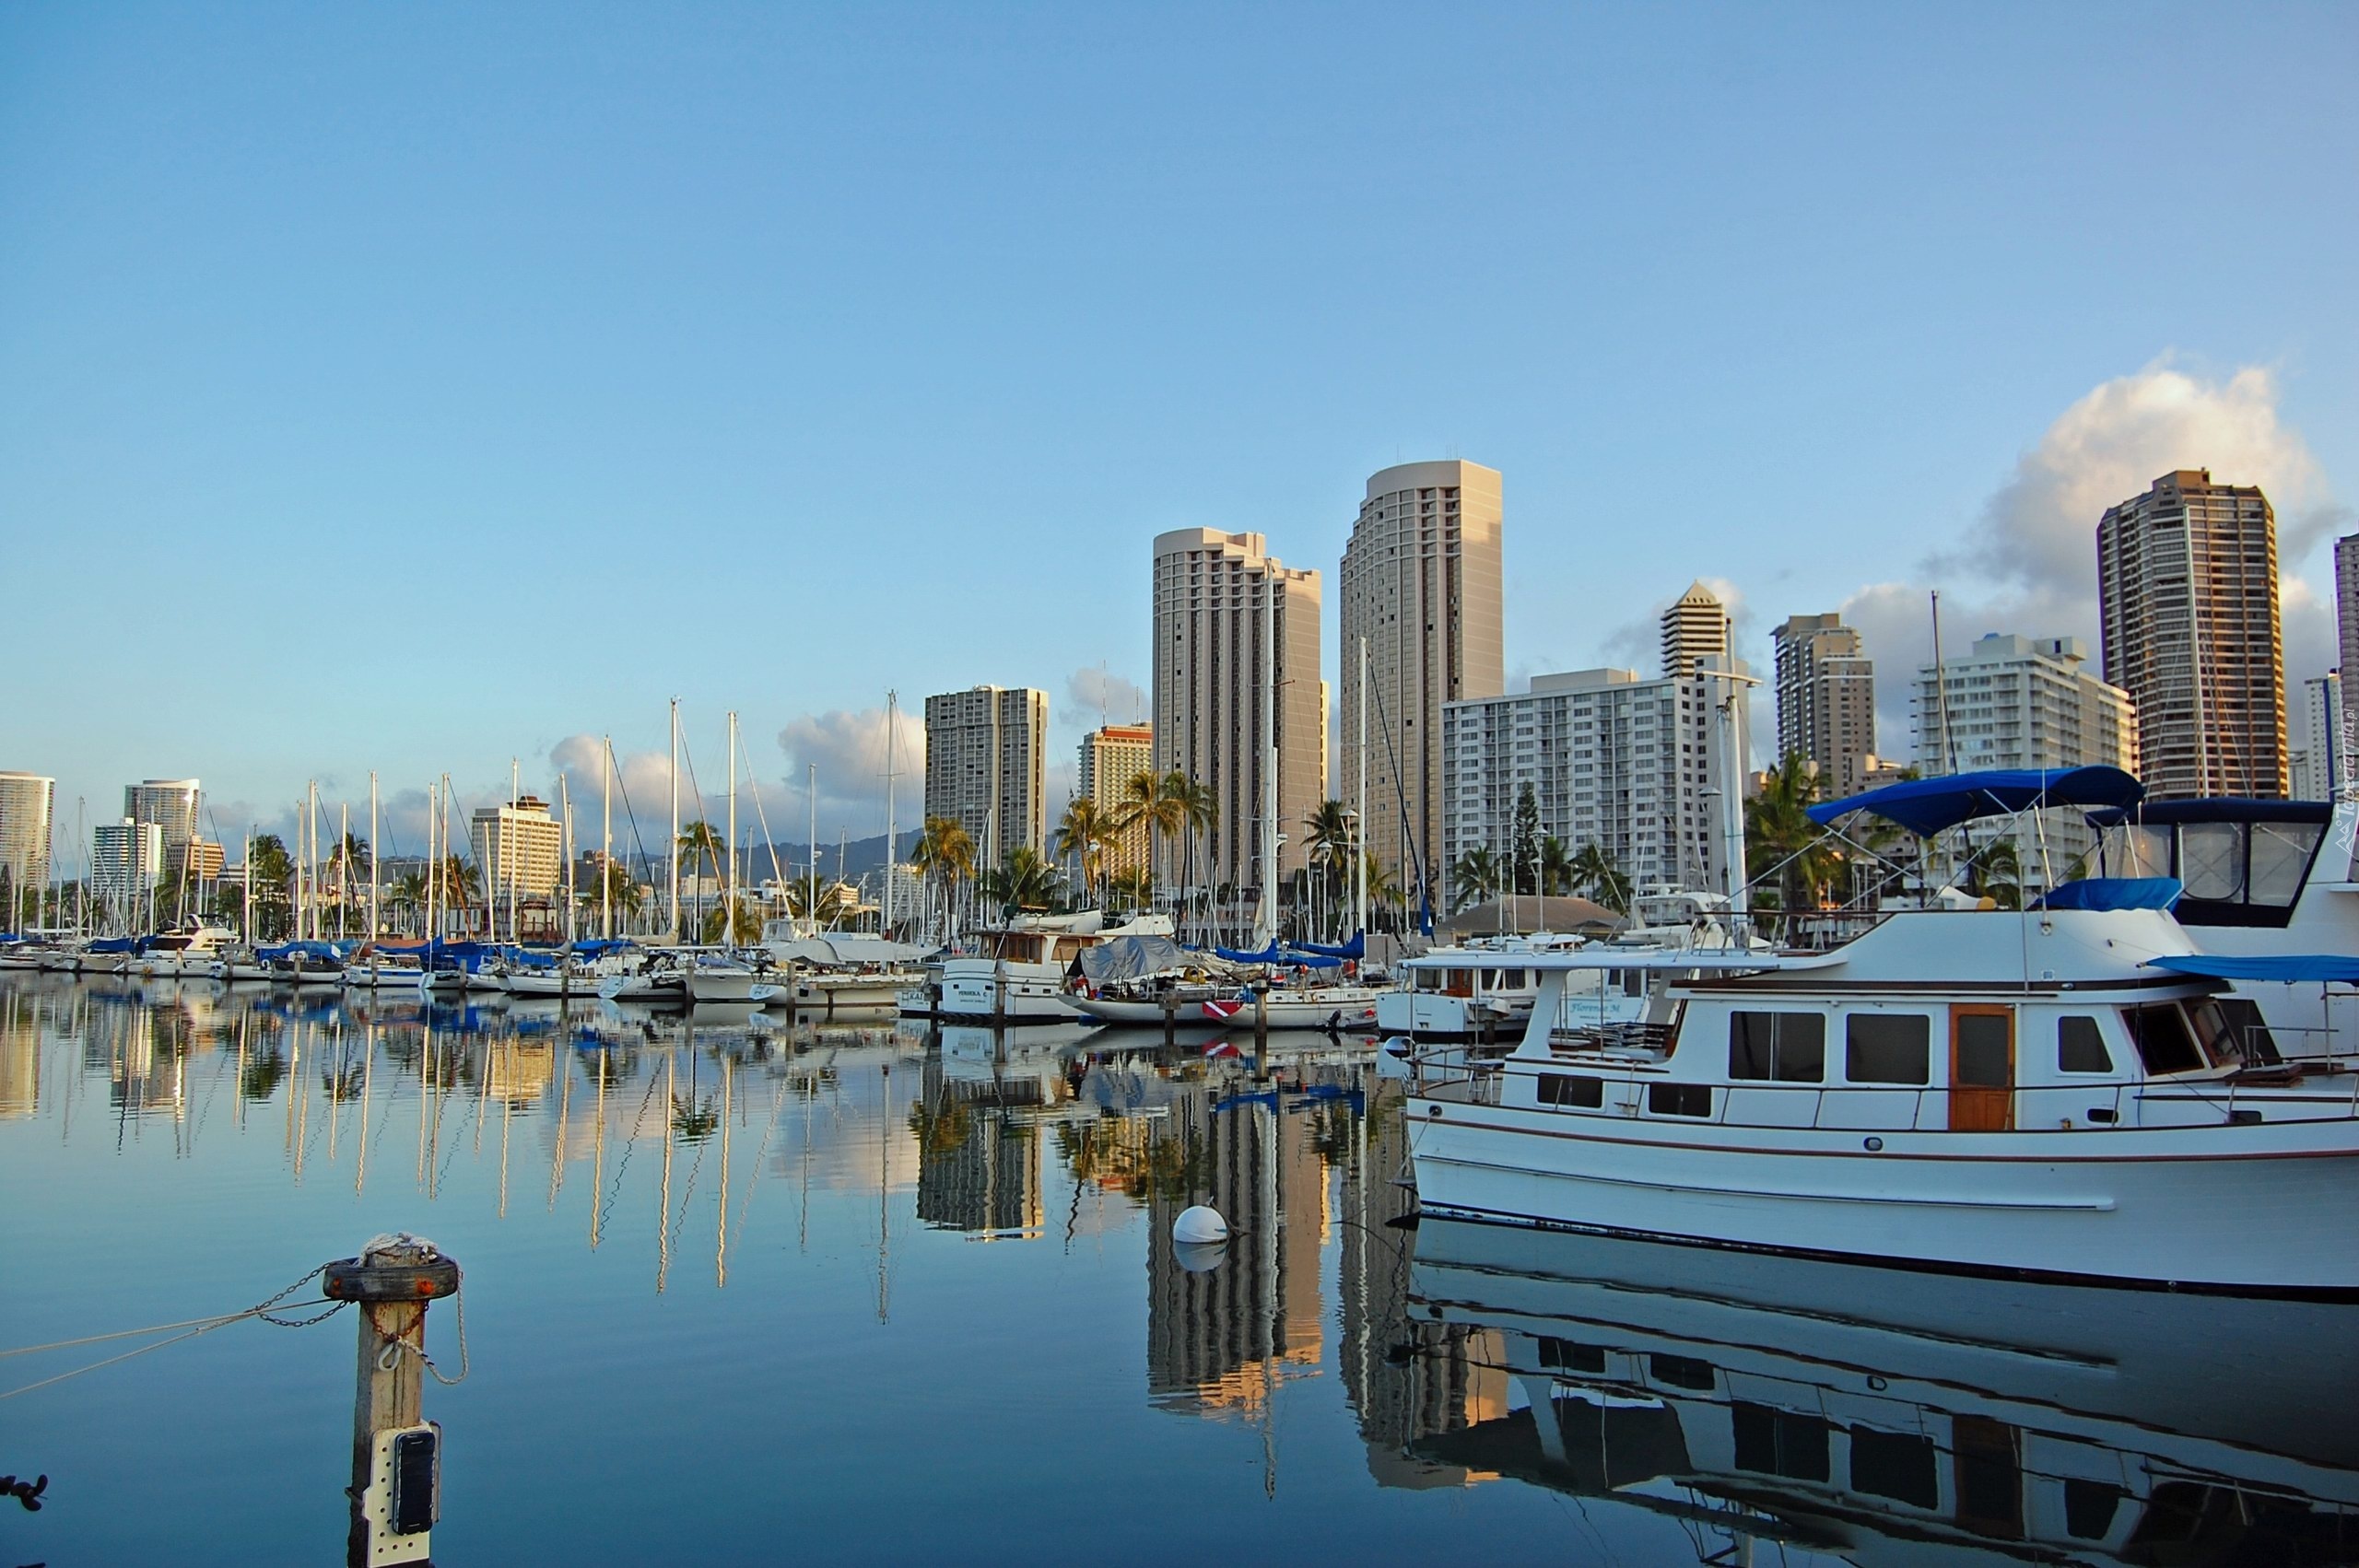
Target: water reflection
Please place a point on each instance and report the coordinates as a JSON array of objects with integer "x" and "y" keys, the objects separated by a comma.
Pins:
[{"x": 1876, "y": 1414}]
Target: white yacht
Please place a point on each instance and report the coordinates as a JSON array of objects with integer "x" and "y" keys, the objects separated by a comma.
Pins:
[
  {"x": 1019, "y": 977},
  {"x": 2063, "y": 1091}
]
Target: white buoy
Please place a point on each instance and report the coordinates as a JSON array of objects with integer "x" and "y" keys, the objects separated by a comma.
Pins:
[
  {"x": 1199, "y": 1257},
  {"x": 1198, "y": 1226}
]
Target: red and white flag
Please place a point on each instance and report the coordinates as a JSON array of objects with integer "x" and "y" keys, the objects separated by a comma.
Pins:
[
  {"x": 1221, "y": 1008},
  {"x": 1219, "y": 1048}
]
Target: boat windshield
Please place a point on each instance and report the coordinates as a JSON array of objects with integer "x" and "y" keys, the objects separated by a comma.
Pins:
[{"x": 2243, "y": 863}]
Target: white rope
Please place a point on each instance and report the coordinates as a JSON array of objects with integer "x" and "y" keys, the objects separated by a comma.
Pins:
[{"x": 194, "y": 1327}]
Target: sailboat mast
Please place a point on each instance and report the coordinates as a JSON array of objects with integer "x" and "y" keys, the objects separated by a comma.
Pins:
[
  {"x": 729, "y": 869},
  {"x": 433, "y": 860},
  {"x": 606, "y": 836},
  {"x": 343, "y": 863},
  {"x": 246, "y": 901},
  {"x": 508, "y": 825},
  {"x": 1359, "y": 808},
  {"x": 675, "y": 819},
  {"x": 892, "y": 724},
  {"x": 811, "y": 910},
  {"x": 1269, "y": 757},
  {"x": 372, "y": 854},
  {"x": 565, "y": 803}
]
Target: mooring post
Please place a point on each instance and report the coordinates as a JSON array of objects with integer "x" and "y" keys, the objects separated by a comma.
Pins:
[
  {"x": 396, "y": 1453},
  {"x": 1171, "y": 1016},
  {"x": 1261, "y": 1020}
]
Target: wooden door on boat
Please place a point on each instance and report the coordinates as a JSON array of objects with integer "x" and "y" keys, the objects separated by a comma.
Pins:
[{"x": 1982, "y": 1068}]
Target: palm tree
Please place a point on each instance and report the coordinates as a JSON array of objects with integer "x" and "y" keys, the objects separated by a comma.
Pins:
[
  {"x": 1781, "y": 840},
  {"x": 270, "y": 871},
  {"x": 1199, "y": 815},
  {"x": 1332, "y": 840},
  {"x": 945, "y": 853},
  {"x": 1556, "y": 866},
  {"x": 622, "y": 890},
  {"x": 1027, "y": 882},
  {"x": 700, "y": 838},
  {"x": 408, "y": 894},
  {"x": 1130, "y": 888},
  {"x": 1149, "y": 798},
  {"x": 1084, "y": 835},
  {"x": 462, "y": 884},
  {"x": 1476, "y": 875},
  {"x": 734, "y": 922},
  {"x": 1592, "y": 873},
  {"x": 1994, "y": 871},
  {"x": 835, "y": 900}
]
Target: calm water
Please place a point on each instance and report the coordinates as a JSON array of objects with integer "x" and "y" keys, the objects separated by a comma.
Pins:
[{"x": 736, "y": 1293}]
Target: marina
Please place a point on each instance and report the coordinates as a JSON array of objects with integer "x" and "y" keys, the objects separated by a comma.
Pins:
[{"x": 935, "y": 1267}]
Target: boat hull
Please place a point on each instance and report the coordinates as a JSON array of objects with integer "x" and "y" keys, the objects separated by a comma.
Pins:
[
  {"x": 711, "y": 985},
  {"x": 2241, "y": 1210},
  {"x": 1333, "y": 1013},
  {"x": 1437, "y": 1015},
  {"x": 984, "y": 990}
]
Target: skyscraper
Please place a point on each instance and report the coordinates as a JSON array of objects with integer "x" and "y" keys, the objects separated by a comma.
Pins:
[
  {"x": 1421, "y": 582},
  {"x": 126, "y": 861},
  {"x": 520, "y": 844},
  {"x": 986, "y": 767},
  {"x": 1826, "y": 700},
  {"x": 2186, "y": 591},
  {"x": 2346, "y": 603},
  {"x": 1696, "y": 627},
  {"x": 1110, "y": 758},
  {"x": 2322, "y": 768},
  {"x": 1215, "y": 594},
  {"x": 172, "y": 804},
  {"x": 28, "y": 806}
]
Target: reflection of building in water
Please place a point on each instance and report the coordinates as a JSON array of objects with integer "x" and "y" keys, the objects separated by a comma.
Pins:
[
  {"x": 1455, "y": 1379},
  {"x": 20, "y": 1057},
  {"x": 978, "y": 1170},
  {"x": 1219, "y": 1341},
  {"x": 519, "y": 1073}
]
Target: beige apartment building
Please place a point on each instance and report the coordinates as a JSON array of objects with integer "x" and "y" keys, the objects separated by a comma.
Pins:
[
  {"x": 1421, "y": 585},
  {"x": 986, "y": 767},
  {"x": 1696, "y": 627},
  {"x": 1110, "y": 758},
  {"x": 520, "y": 845},
  {"x": 172, "y": 804},
  {"x": 28, "y": 807},
  {"x": 1221, "y": 601},
  {"x": 1826, "y": 700},
  {"x": 2187, "y": 594}
]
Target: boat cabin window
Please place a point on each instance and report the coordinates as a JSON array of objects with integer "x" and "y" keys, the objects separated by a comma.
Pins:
[
  {"x": 1679, "y": 1099},
  {"x": 1511, "y": 980},
  {"x": 1571, "y": 1089},
  {"x": 1772, "y": 1442},
  {"x": 2211, "y": 859},
  {"x": 2159, "y": 1029},
  {"x": 2080, "y": 1046},
  {"x": 1567, "y": 1355},
  {"x": 2254, "y": 1042},
  {"x": 2280, "y": 859},
  {"x": 1887, "y": 1047},
  {"x": 1902, "y": 1466},
  {"x": 2089, "y": 1507},
  {"x": 1785, "y": 1047}
]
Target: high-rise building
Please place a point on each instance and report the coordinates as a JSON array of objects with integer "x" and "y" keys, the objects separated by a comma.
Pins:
[
  {"x": 172, "y": 804},
  {"x": 1696, "y": 627},
  {"x": 1826, "y": 700},
  {"x": 1110, "y": 758},
  {"x": 2187, "y": 590},
  {"x": 28, "y": 806},
  {"x": 1421, "y": 582},
  {"x": 2025, "y": 702},
  {"x": 2322, "y": 769},
  {"x": 126, "y": 860},
  {"x": 199, "y": 860},
  {"x": 1221, "y": 600},
  {"x": 1648, "y": 770},
  {"x": 517, "y": 845},
  {"x": 986, "y": 767},
  {"x": 2346, "y": 601}
]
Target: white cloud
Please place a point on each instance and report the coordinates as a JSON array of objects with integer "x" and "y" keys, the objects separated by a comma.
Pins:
[
  {"x": 1099, "y": 697},
  {"x": 851, "y": 752},
  {"x": 2029, "y": 565}
]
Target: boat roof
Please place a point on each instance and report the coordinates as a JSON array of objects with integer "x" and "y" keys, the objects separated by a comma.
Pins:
[
  {"x": 1677, "y": 960},
  {"x": 1928, "y": 806},
  {"x": 2290, "y": 967},
  {"x": 2218, "y": 808}
]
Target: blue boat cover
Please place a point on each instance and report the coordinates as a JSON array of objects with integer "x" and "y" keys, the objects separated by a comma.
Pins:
[
  {"x": 1355, "y": 948},
  {"x": 1286, "y": 957},
  {"x": 2286, "y": 967},
  {"x": 1237, "y": 956},
  {"x": 1927, "y": 806},
  {"x": 2113, "y": 892},
  {"x": 2217, "y": 808}
]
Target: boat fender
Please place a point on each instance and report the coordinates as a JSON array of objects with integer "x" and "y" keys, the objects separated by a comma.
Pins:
[{"x": 1199, "y": 1225}]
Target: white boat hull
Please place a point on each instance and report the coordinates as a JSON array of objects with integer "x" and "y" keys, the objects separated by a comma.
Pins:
[
  {"x": 711, "y": 985},
  {"x": 984, "y": 991},
  {"x": 1437, "y": 1015},
  {"x": 549, "y": 982},
  {"x": 1150, "y": 1014},
  {"x": 1343, "y": 1008},
  {"x": 831, "y": 994},
  {"x": 382, "y": 977},
  {"x": 2247, "y": 1209}
]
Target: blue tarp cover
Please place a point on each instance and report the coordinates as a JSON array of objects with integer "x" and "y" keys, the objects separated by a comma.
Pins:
[
  {"x": 2113, "y": 893},
  {"x": 1355, "y": 948},
  {"x": 1927, "y": 806},
  {"x": 2287, "y": 967},
  {"x": 1287, "y": 957},
  {"x": 2217, "y": 808}
]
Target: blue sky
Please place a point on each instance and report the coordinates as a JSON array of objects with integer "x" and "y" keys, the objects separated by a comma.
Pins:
[{"x": 411, "y": 388}]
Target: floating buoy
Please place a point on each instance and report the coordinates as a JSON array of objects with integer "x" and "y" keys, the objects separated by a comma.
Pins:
[
  {"x": 1199, "y": 1257},
  {"x": 1199, "y": 1226}
]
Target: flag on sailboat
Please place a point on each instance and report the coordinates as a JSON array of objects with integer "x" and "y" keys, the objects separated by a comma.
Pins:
[{"x": 1222, "y": 1008}]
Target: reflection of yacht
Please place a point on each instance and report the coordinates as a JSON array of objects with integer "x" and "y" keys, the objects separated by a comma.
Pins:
[
  {"x": 1887, "y": 1417},
  {"x": 1967, "y": 1088}
]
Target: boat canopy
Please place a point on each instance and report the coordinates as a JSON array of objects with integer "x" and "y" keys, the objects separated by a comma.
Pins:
[
  {"x": 2113, "y": 892},
  {"x": 2289, "y": 968},
  {"x": 327, "y": 949},
  {"x": 1286, "y": 957},
  {"x": 2215, "y": 807},
  {"x": 1131, "y": 958},
  {"x": 598, "y": 947},
  {"x": 1928, "y": 806}
]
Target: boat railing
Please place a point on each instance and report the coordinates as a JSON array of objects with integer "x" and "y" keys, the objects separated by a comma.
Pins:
[{"x": 1630, "y": 1083}]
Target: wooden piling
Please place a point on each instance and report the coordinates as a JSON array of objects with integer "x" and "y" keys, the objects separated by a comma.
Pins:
[{"x": 391, "y": 1282}]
